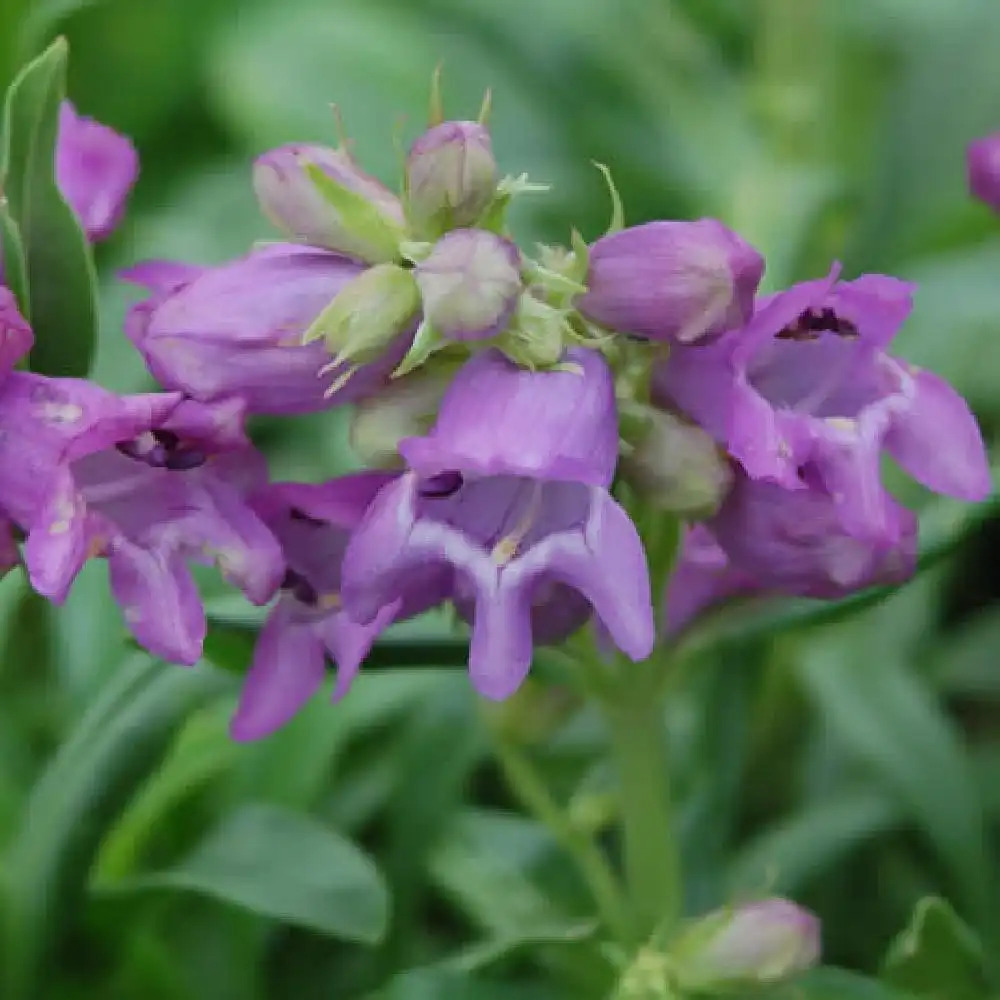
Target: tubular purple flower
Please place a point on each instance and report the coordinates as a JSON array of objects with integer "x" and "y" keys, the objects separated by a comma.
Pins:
[
  {"x": 451, "y": 176},
  {"x": 291, "y": 199},
  {"x": 808, "y": 383},
  {"x": 763, "y": 942},
  {"x": 983, "y": 166},
  {"x": 143, "y": 481},
  {"x": 95, "y": 170},
  {"x": 795, "y": 541},
  {"x": 470, "y": 284},
  {"x": 236, "y": 329},
  {"x": 515, "y": 514},
  {"x": 307, "y": 624},
  {"x": 668, "y": 280}
]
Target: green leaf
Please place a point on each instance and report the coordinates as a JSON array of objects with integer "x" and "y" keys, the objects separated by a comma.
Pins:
[
  {"x": 937, "y": 957},
  {"x": 12, "y": 256},
  {"x": 60, "y": 272},
  {"x": 43, "y": 16},
  {"x": 883, "y": 714},
  {"x": 278, "y": 864},
  {"x": 442, "y": 983},
  {"x": 836, "y": 984},
  {"x": 85, "y": 787}
]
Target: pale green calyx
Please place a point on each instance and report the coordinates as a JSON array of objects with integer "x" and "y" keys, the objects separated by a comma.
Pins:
[
  {"x": 363, "y": 230},
  {"x": 367, "y": 315},
  {"x": 673, "y": 465},
  {"x": 537, "y": 335},
  {"x": 403, "y": 408}
]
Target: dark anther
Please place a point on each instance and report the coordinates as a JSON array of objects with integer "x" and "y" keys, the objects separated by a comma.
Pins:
[
  {"x": 445, "y": 484},
  {"x": 811, "y": 323},
  {"x": 299, "y": 587},
  {"x": 300, "y": 515},
  {"x": 163, "y": 450}
]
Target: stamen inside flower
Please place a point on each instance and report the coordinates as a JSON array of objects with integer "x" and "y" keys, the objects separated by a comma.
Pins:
[
  {"x": 161, "y": 449},
  {"x": 812, "y": 322},
  {"x": 507, "y": 547}
]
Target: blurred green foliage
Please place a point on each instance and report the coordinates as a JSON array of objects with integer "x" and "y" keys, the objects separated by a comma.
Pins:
[{"x": 371, "y": 848}]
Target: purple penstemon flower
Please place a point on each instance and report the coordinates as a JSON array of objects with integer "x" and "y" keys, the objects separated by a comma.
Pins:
[
  {"x": 144, "y": 481},
  {"x": 808, "y": 383},
  {"x": 95, "y": 170},
  {"x": 308, "y": 623},
  {"x": 983, "y": 169},
  {"x": 509, "y": 491},
  {"x": 236, "y": 329}
]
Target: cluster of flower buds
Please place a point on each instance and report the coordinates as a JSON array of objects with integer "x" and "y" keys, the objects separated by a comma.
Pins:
[{"x": 516, "y": 412}]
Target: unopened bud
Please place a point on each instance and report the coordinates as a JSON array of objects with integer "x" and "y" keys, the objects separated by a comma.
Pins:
[
  {"x": 676, "y": 466},
  {"x": 319, "y": 196},
  {"x": 450, "y": 176},
  {"x": 759, "y": 943},
  {"x": 470, "y": 284},
  {"x": 681, "y": 281},
  {"x": 983, "y": 164},
  {"x": 405, "y": 407},
  {"x": 367, "y": 314}
]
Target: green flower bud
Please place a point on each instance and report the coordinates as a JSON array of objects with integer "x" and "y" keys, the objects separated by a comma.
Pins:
[
  {"x": 405, "y": 407},
  {"x": 672, "y": 464}
]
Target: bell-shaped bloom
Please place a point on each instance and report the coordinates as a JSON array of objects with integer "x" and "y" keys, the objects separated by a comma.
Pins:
[
  {"x": 307, "y": 624},
  {"x": 451, "y": 176},
  {"x": 95, "y": 170},
  {"x": 983, "y": 167},
  {"x": 237, "y": 329},
  {"x": 470, "y": 284},
  {"x": 509, "y": 493},
  {"x": 320, "y": 196},
  {"x": 755, "y": 943},
  {"x": 796, "y": 541},
  {"x": 16, "y": 337},
  {"x": 703, "y": 578},
  {"x": 808, "y": 383},
  {"x": 144, "y": 481},
  {"x": 668, "y": 280},
  {"x": 674, "y": 465}
]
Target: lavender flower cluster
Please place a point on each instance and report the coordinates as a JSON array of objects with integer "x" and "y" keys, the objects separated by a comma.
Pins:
[{"x": 514, "y": 412}]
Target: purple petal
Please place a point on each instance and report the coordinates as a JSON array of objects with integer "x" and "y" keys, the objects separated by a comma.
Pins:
[
  {"x": 16, "y": 338},
  {"x": 349, "y": 643},
  {"x": 287, "y": 670},
  {"x": 497, "y": 418},
  {"x": 983, "y": 163},
  {"x": 938, "y": 442},
  {"x": 95, "y": 170},
  {"x": 159, "y": 601},
  {"x": 609, "y": 569},
  {"x": 56, "y": 547},
  {"x": 501, "y": 647}
]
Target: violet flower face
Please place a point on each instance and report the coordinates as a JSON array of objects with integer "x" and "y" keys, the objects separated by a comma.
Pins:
[
  {"x": 307, "y": 624},
  {"x": 144, "y": 481},
  {"x": 678, "y": 281},
  {"x": 795, "y": 541},
  {"x": 95, "y": 170},
  {"x": 983, "y": 168},
  {"x": 807, "y": 382},
  {"x": 236, "y": 329},
  {"x": 508, "y": 494}
]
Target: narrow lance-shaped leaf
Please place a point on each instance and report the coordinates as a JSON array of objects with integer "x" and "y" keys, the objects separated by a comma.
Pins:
[{"x": 59, "y": 290}]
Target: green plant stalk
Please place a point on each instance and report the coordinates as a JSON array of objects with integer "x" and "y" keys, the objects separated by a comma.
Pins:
[
  {"x": 651, "y": 855},
  {"x": 527, "y": 784}
]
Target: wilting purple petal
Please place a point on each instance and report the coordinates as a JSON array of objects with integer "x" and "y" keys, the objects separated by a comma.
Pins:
[
  {"x": 95, "y": 170},
  {"x": 497, "y": 418}
]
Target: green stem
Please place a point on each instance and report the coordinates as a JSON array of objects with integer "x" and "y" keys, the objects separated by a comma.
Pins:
[
  {"x": 529, "y": 787},
  {"x": 651, "y": 856}
]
